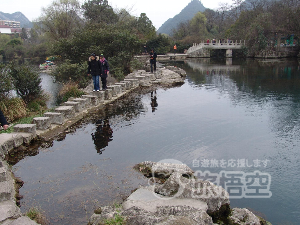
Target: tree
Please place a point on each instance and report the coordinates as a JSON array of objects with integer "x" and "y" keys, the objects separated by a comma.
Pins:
[
  {"x": 161, "y": 44},
  {"x": 198, "y": 25},
  {"x": 60, "y": 19},
  {"x": 26, "y": 82},
  {"x": 24, "y": 35},
  {"x": 98, "y": 11},
  {"x": 5, "y": 81},
  {"x": 145, "y": 27}
]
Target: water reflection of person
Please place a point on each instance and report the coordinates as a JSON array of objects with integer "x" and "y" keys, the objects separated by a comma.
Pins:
[
  {"x": 153, "y": 101},
  {"x": 102, "y": 136}
]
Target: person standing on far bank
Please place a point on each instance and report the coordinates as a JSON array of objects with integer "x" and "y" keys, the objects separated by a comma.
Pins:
[
  {"x": 95, "y": 70},
  {"x": 104, "y": 71},
  {"x": 3, "y": 121},
  {"x": 153, "y": 57}
]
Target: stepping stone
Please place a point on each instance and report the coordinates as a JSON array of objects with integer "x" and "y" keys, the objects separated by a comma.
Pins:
[
  {"x": 42, "y": 123},
  {"x": 55, "y": 118},
  {"x": 25, "y": 128},
  {"x": 108, "y": 94},
  {"x": 91, "y": 99},
  {"x": 123, "y": 86},
  {"x": 100, "y": 95},
  {"x": 67, "y": 111},
  {"x": 76, "y": 105},
  {"x": 134, "y": 82},
  {"x": 116, "y": 89},
  {"x": 83, "y": 101},
  {"x": 10, "y": 141},
  {"x": 127, "y": 83}
]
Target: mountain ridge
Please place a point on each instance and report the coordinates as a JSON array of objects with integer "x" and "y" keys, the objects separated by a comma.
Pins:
[
  {"x": 186, "y": 14},
  {"x": 17, "y": 16}
]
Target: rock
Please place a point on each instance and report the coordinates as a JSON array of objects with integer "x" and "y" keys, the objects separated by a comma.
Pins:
[
  {"x": 24, "y": 220},
  {"x": 169, "y": 77},
  {"x": 243, "y": 217},
  {"x": 146, "y": 199},
  {"x": 9, "y": 210},
  {"x": 180, "y": 187},
  {"x": 163, "y": 170}
]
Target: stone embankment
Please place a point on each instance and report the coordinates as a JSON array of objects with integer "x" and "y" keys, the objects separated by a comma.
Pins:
[
  {"x": 175, "y": 196},
  {"x": 53, "y": 123}
]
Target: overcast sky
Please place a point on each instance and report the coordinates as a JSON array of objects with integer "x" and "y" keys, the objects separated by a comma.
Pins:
[{"x": 158, "y": 11}]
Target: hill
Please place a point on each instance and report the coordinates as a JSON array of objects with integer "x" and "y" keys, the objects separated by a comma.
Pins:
[
  {"x": 186, "y": 14},
  {"x": 17, "y": 16}
]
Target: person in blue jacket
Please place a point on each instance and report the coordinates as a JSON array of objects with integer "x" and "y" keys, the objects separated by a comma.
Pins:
[
  {"x": 3, "y": 121},
  {"x": 105, "y": 71},
  {"x": 95, "y": 70}
]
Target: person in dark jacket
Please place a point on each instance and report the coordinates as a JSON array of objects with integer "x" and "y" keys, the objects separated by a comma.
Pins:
[
  {"x": 95, "y": 70},
  {"x": 153, "y": 57},
  {"x": 105, "y": 71},
  {"x": 3, "y": 121}
]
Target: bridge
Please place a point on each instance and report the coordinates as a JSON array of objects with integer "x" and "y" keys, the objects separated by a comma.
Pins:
[{"x": 202, "y": 50}]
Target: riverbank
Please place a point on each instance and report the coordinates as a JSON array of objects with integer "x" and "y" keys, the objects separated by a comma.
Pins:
[{"x": 55, "y": 123}]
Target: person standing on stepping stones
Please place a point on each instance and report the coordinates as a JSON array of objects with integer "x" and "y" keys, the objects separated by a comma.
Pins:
[
  {"x": 104, "y": 72},
  {"x": 95, "y": 69}
]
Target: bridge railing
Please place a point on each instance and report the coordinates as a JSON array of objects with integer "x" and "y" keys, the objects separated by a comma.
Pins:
[{"x": 217, "y": 43}]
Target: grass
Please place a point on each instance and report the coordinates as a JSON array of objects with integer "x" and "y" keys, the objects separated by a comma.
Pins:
[
  {"x": 36, "y": 215},
  {"x": 117, "y": 220},
  {"x": 24, "y": 120}
]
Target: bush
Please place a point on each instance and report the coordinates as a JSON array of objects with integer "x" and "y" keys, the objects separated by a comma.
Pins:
[
  {"x": 13, "y": 109},
  {"x": 26, "y": 81},
  {"x": 70, "y": 89},
  {"x": 5, "y": 81},
  {"x": 75, "y": 72}
]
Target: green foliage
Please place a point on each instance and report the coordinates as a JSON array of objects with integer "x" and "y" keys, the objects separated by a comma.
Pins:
[
  {"x": 26, "y": 82},
  {"x": 117, "y": 44},
  {"x": 117, "y": 220},
  {"x": 68, "y": 71},
  {"x": 13, "y": 108},
  {"x": 5, "y": 81},
  {"x": 161, "y": 44},
  {"x": 145, "y": 27},
  {"x": 69, "y": 90},
  {"x": 60, "y": 19},
  {"x": 98, "y": 11}
]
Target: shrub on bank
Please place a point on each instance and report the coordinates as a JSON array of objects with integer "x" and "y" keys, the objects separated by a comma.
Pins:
[
  {"x": 69, "y": 89},
  {"x": 13, "y": 108},
  {"x": 75, "y": 72},
  {"x": 26, "y": 81}
]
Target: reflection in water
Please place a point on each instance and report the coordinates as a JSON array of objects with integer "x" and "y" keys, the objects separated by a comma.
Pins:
[
  {"x": 102, "y": 136},
  {"x": 153, "y": 103}
]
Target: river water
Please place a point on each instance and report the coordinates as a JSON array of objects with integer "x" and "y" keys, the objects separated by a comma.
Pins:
[{"x": 238, "y": 119}]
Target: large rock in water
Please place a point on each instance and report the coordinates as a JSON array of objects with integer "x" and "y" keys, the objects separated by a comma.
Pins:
[{"x": 179, "y": 199}]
